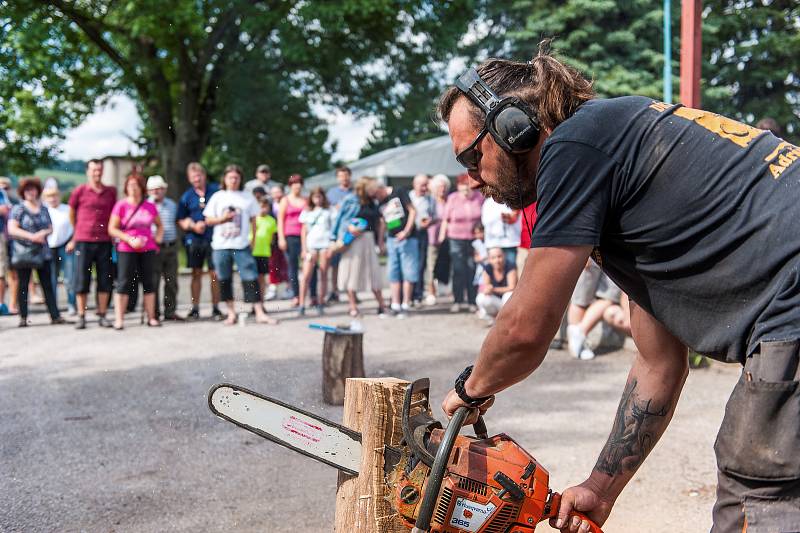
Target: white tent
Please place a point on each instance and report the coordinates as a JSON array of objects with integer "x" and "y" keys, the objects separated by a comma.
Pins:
[{"x": 399, "y": 165}]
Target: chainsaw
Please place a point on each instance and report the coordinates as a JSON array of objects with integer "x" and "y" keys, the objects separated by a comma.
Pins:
[{"x": 440, "y": 481}]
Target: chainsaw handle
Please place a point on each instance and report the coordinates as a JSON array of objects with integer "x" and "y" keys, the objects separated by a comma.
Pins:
[
  {"x": 436, "y": 476},
  {"x": 556, "y": 503}
]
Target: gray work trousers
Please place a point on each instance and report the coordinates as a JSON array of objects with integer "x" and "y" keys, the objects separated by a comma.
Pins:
[{"x": 758, "y": 446}]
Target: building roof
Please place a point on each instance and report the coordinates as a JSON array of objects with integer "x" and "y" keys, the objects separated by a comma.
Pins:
[{"x": 432, "y": 156}]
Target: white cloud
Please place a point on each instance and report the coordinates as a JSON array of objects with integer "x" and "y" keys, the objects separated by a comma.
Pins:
[{"x": 104, "y": 132}]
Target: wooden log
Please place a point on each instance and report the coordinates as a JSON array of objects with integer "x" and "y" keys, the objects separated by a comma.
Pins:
[
  {"x": 342, "y": 358},
  {"x": 372, "y": 407}
]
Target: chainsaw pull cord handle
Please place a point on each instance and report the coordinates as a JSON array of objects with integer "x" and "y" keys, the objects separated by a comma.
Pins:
[
  {"x": 436, "y": 476},
  {"x": 556, "y": 503}
]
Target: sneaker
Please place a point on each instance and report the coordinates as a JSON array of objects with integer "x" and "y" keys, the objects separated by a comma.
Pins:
[
  {"x": 396, "y": 308},
  {"x": 320, "y": 310},
  {"x": 216, "y": 314},
  {"x": 194, "y": 314},
  {"x": 381, "y": 312},
  {"x": 472, "y": 308},
  {"x": 455, "y": 308},
  {"x": 103, "y": 322},
  {"x": 401, "y": 315},
  {"x": 301, "y": 311},
  {"x": 556, "y": 344},
  {"x": 71, "y": 311},
  {"x": 23, "y": 322},
  {"x": 430, "y": 300},
  {"x": 287, "y": 294},
  {"x": 3, "y": 309},
  {"x": 575, "y": 340},
  {"x": 482, "y": 314},
  {"x": 586, "y": 355},
  {"x": 272, "y": 293},
  {"x": 333, "y": 297},
  {"x": 174, "y": 318},
  {"x": 405, "y": 308},
  {"x": 81, "y": 322}
]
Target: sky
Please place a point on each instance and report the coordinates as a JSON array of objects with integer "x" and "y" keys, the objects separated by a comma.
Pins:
[{"x": 107, "y": 131}]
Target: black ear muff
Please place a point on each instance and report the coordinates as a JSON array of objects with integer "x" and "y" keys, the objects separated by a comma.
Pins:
[
  {"x": 509, "y": 121},
  {"x": 513, "y": 129}
]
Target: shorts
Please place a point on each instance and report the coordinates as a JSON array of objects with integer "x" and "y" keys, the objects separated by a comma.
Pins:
[
  {"x": 198, "y": 253},
  {"x": 4, "y": 260},
  {"x": 403, "y": 259},
  {"x": 262, "y": 265},
  {"x": 88, "y": 254},
  {"x": 594, "y": 284}
]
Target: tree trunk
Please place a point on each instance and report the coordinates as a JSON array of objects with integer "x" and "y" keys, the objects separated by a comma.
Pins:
[{"x": 174, "y": 158}]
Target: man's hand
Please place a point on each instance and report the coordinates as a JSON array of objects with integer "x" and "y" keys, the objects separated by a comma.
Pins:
[
  {"x": 282, "y": 244},
  {"x": 199, "y": 227},
  {"x": 584, "y": 498},
  {"x": 452, "y": 402},
  {"x": 70, "y": 246},
  {"x": 401, "y": 235}
]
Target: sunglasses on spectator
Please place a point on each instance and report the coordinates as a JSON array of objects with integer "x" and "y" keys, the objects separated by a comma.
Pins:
[{"x": 470, "y": 156}]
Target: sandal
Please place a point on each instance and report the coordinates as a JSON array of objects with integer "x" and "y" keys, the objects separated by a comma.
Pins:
[{"x": 153, "y": 323}]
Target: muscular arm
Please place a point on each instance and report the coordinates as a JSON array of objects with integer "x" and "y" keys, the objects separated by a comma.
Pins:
[
  {"x": 518, "y": 342},
  {"x": 648, "y": 402},
  {"x": 654, "y": 384}
]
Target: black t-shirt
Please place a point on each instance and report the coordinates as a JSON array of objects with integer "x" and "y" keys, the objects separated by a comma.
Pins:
[
  {"x": 692, "y": 214},
  {"x": 369, "y": 212},
  {"x": 394, "y": 209}
]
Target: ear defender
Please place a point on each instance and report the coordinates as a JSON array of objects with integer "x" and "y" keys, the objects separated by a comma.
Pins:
[{"x": 510, "y": 122}]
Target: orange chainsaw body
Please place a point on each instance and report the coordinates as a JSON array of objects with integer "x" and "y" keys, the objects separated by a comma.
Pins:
[{"x": 471, "y": 497}]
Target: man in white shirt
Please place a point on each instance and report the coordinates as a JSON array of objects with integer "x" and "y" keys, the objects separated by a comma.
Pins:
[
  {"x": 426, "y": 213},
  {"x": 502, "y": 228}
]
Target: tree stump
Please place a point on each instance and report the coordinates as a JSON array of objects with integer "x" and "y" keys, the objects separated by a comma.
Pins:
[
  {"x": 372, "y": 407},
  {"x": 342, "y": 358}
]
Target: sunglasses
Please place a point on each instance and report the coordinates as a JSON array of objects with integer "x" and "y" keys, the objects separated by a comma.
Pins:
[{"x": 470, "y": 156}]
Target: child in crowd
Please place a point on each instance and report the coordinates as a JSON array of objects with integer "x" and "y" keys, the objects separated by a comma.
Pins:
[
  {"x": 498, "y": 280},
  {"x": 317, "y": 220},
  {"x": 266, "y": 227},
  {"x": 479, "y": 252}
]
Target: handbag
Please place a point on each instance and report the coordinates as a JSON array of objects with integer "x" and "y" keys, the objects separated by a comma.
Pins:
[{"x": 27, "y": 254}]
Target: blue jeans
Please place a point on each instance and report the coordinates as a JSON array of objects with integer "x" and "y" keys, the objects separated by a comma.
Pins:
[
  {"x": 422, "y": 246},
  {"x": 403, "y": 259},
  {"x": 248, "y": 272},
  {"x": 63, "y": 261}
]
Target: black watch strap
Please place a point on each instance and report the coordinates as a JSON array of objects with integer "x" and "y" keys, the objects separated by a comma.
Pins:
[{"x": 459, "y": 388}]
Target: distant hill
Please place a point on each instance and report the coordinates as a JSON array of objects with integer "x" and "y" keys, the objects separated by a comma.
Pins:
[{"x": 66, "y": 180}]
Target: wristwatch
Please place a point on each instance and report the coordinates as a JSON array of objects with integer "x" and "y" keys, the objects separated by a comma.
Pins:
[{"x": 459, "y": 388}]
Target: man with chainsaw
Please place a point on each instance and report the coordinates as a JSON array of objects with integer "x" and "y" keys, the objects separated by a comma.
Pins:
[{"x": 694, "y": 216}]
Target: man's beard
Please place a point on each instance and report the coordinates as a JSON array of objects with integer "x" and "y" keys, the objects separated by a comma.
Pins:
[{"x": 516, "y": 185}]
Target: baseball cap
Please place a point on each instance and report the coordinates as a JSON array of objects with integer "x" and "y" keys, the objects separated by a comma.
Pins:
[
  {"x": 156, "y": 182},
  {"x": 262, "y": 168}
]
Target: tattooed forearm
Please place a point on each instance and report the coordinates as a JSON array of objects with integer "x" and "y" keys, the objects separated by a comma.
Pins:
[{"x": 637, "y": 425}]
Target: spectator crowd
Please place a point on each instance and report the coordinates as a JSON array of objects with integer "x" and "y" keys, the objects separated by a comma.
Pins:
[{"x": 293, "y": 244}]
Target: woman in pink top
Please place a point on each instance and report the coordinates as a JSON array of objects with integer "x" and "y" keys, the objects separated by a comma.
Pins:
[
  {"x": 131, "y": 223},
  {"x": 290, "y": 229},
  {"x": 462, "y": 211}
]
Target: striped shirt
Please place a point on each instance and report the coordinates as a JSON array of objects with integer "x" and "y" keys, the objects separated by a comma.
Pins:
[{"x": 168, "y": 211}]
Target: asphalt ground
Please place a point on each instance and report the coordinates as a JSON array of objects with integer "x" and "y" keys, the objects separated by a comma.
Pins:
[{"x": 105, "y": 431}]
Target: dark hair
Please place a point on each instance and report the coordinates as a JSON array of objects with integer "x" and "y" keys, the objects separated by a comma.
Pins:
[
  {"x": 139, "y": 180},
  {"x": 266, "y": 202},
  {"x": 321, "y": 192},
  {"x": 769, "y": 123},
  {"x": 232, "y": 168},
  {"x": 478, "y": 226},
  {"x": 97, "y": 161},
  {"x": 344, "y": 169},
  {"x": 295, "y": 178},
  {"x": 551, "y": 88},
  {"x": 31, "y": 182}
]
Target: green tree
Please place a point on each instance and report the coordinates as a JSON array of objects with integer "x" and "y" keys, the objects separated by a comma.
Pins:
[
  {"x": 751, "y": 67},
  {"x": 180, "y": 61}
]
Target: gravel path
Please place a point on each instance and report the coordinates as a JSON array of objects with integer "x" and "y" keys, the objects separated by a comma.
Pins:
[{"x": 109, "y": 431}]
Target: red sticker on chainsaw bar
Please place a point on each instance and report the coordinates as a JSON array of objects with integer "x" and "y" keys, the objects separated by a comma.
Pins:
[{"x": 302, "y": 430}]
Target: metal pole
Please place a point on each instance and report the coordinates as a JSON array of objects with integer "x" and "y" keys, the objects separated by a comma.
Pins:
[
  {"x": 668, "y": 51},
  {"x": 691, "y": 38}
]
